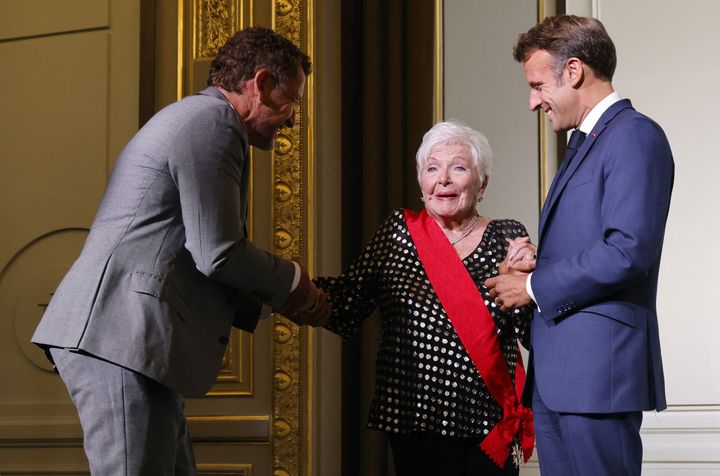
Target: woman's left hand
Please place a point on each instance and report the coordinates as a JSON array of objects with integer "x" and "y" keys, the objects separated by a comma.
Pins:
[{"x": 520, "y": 257}]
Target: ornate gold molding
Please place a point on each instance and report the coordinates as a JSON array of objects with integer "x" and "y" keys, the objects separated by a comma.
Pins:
[
  {"x": 216, "y": 21},
  {"x": 439, "y": 86},
  {"x": 292, "y": 163}
]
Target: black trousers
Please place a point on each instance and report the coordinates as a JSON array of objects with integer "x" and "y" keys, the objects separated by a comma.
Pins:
[{"x": 418, "y": 455}]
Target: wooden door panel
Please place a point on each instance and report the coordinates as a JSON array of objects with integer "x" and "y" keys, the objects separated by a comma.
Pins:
[{"x": 64, "y": 103}]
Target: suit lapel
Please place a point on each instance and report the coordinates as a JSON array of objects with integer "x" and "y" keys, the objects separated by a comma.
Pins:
[{"x": 566, "y": 172}]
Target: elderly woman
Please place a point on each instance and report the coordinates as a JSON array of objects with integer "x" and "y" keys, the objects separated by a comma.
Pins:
[{"x": 448, "y": 367}]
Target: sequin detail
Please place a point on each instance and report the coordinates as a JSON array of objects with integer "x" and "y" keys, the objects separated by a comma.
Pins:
[{"x": 425, "y": 379}]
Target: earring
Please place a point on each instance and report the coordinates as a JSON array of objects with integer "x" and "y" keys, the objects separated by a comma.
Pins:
[
  {"x": 480, "y": 198},
  {"x": 422, "y": 199}
]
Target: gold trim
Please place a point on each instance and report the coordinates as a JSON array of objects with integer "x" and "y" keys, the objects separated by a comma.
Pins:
[
  {"x": 180, "y": 49},
  {"x": 225, "y": 470},
  {"x": 310, "y": 241},
  {"x": 236, "y": 377},
  {"x": 439, "y": 87},
  {"x": 214, "y": 22},
  {"x": 547, "y": 145},
  {"x": 542, "y": 143},
  {"x": 230, "y": 429},
  {"x": 226, "y": 418},
  {"x": 292, "y": 219}
]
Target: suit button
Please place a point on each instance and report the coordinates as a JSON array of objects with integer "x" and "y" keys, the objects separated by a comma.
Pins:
[{"x": 224, "y": 340}]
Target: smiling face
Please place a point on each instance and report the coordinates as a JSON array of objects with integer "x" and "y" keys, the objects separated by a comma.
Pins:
[
  {"x": 555, "y": 96},
  {"x": 273, "y": 108},
  {"x": 450, "y": 184}
]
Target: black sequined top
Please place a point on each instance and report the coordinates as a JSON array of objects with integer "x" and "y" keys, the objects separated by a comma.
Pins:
[{"x": 425, "y": 379}]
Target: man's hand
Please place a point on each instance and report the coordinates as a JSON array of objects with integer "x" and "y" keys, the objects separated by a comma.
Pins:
[
  {"x": 509, "y": 291},
  {"x": 306, "y": 304},
  {"x": 317, "y": 316}
]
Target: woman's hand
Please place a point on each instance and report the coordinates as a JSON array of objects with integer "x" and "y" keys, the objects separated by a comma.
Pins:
[{"x": 520, "y": 256}]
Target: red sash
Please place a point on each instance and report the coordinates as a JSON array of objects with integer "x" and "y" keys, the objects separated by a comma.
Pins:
[{"x": 476, "y": 329}]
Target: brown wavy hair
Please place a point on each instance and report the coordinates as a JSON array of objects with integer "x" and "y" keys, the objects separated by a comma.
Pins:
[
  {"x": 568, "y": 36},
  {"x": 252, "y": 49}
]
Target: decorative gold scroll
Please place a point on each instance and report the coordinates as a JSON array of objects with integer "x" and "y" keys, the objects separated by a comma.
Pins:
[
  {"x": 290, "y": 212},
  {"x": 215, "y": 23}
]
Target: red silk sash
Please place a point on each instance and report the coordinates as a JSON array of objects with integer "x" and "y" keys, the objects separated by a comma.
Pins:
[{"x": 465, "y": 306}]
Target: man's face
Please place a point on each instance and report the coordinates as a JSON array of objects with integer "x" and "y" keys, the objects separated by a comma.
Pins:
[
  {"x": 274, "y": 108},
  {"x": 555, "y": 96}
]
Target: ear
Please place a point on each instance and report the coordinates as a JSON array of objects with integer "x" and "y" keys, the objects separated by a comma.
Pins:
[
  {"x": 264, "y": 83},
  {"x": 483, "y": 187},
  {"x": 574, "y": 71}
]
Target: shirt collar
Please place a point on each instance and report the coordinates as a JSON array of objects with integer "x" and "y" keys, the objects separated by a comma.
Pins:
[{"x": 591, "y": 119}]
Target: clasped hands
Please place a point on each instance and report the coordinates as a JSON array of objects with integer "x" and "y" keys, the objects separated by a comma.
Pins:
[
  {"x": 508, "y": 287},
  {"x": 306, "y": 304}
]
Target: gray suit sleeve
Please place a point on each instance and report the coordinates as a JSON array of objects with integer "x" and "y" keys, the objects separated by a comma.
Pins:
[{"x": 208, "y": 166}]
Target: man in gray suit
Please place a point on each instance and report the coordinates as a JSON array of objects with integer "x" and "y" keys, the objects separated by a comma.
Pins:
[{"x": 144, "y": 315}]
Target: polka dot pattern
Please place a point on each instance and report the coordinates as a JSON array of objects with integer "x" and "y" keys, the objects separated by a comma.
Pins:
[{"x": 425, "y": 379}]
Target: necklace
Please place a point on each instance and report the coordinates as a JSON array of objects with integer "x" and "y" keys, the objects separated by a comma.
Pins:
[{"x": 477, "y": 220}]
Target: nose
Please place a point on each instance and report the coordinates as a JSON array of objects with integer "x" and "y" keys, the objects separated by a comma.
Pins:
[
  {"x": 444, "y": 177},
  {"x": 535, "y": 100}
]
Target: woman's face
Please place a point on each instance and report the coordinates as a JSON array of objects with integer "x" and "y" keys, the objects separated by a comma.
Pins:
[{"x": 450, "y": 184}]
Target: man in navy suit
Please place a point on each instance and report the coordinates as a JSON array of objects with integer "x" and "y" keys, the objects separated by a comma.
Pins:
[{"x": 595, "y": 362}]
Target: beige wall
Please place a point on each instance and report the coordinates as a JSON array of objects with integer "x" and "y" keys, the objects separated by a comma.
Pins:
[
  {"x": 668, "y": 67},
  {"x": 484, "y": 87},
  {"x": 68, "y": 105}
]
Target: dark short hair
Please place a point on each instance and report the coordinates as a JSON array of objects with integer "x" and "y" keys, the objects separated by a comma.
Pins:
[
  {"x": 252, "y": 49},
  {"x": 568, "y": 36}
]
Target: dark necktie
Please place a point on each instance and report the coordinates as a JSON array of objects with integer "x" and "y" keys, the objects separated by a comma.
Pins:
[{"x": 576, "y": 139}]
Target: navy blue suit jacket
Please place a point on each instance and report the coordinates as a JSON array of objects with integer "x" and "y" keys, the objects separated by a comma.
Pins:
[{"x": 595, "y": 343}]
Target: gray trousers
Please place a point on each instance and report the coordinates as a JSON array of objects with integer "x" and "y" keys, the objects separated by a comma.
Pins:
[{"x": 132, "y": 425}]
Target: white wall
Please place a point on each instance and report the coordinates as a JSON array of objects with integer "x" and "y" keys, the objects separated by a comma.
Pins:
[
  {"x": 669, "y": 66},
  {"x": 485, "y": 88}
]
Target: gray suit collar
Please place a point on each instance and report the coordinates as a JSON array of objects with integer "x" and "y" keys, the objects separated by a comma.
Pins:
[{"x": 212, "y": 91}]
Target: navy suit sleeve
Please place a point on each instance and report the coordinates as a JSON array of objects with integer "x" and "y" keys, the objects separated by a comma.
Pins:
[{"x": 611, "y": 220}]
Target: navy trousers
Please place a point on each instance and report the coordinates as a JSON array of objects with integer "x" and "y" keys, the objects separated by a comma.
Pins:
[{"x": 572, "y": 444}]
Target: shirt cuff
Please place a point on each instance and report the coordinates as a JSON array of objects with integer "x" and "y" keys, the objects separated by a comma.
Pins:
[
  {"x": 528, "y": 288},
  {"x": 296, "y": 278}
]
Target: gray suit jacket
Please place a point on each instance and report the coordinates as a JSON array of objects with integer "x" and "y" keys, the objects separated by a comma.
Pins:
[{"x": 167, "y": 268}]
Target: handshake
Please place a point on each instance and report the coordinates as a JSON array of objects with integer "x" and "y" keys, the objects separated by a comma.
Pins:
[{"x": 306, "y": 304}]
